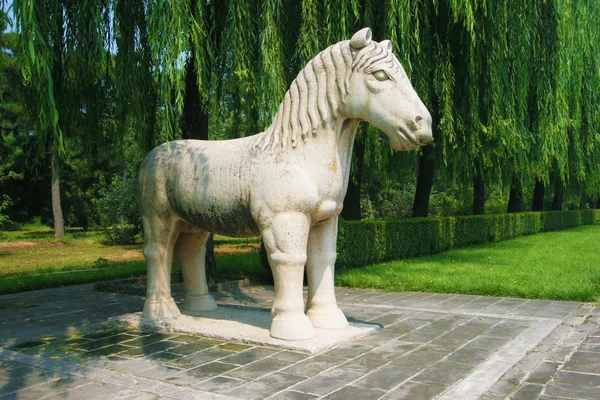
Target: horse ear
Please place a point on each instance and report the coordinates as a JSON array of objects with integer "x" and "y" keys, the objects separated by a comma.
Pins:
[
  {"x": 387, "y": 44},
  {"x": 361, "y": 39}
]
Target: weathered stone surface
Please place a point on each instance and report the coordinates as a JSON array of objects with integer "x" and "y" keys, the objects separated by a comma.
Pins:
[
  {"x": 584, "y": 362},
  {"x": 259, "y": 368},
  {"x": 313, "y": 366},
  {"x": 199, "y": 358},
  {"x": 293, "y": 395},
  {"x": 380, "y": 358},
  {"x": 248, "y": 325},
  {"x": 422, "y": 357},
  {"x": 248, "y": 356},
  {"x": 286, "y": 184},
  {"x": 220, "y": 384},
  {"x": 327, "y": 382},
  {"x": 386, "y": 378},
  {"x": 528, "y": 392},
  {"x": 543, "y": 373},
  {"x": 443, "y": 373},
  {"x": 354, "y": 393},
  {"x": 266, "y": 386},
  {"x": 577, "y": 379},
  {"x": 572, "y": 391},
  {"x": 210, "y": 370},
  {"x": 415, "y": 391}
]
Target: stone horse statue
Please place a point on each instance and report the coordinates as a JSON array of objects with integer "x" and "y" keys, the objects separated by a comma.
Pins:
[{"x": 286, "y": 184}]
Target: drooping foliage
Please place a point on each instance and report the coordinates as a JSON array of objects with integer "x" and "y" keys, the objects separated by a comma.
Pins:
[{"x": 513, "y": 85}]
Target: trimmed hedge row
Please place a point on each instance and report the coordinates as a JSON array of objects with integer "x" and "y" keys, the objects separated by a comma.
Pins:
[{"x": 367, "y": 242}]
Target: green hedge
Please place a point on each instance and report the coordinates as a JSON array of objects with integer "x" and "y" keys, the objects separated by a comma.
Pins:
[{"x": 367, "y": 242}]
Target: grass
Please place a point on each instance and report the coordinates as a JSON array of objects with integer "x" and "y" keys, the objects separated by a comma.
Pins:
[
  {"x": 231, "y": 267},
  {"x": 559, "y": 265},
  {"x": 25, "y": 282},
  {"x": 30, "y": 259},
  {"x": 33, "y": 250}
]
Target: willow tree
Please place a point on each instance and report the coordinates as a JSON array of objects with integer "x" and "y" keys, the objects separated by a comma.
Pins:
[
  {"x": 548, "y": 153},
  {"x": 436, "y": 43},
  {"x": 206, "y": 24},
  {"x": 562, "y": 97},
  {"x": 64, "y": 62},
  {"x": 496, "y": 76},
  {"x": 486, "y": 131},
  {"x": 508, "y": 83},
  {"x": 582, "y": 39}
]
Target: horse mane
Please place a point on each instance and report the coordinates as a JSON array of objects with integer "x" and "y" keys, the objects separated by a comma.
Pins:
[{"x": 314, "y": 96}]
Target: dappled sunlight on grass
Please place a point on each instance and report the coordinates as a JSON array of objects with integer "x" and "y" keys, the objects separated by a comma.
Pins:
[
  {"x": 43, "y": 232},
  {"x": 31, "y": 258},
  {"x": 36, "y": 256},
  {"x": 562, "y": 265}
]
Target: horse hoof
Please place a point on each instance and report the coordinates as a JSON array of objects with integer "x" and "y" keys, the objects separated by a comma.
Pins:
[
  {"x": 287, "y": 328},
  {"x": 194, "y": 304},
  {"x": 328, "y": 319},
  {"x": 160, "y": 310}
]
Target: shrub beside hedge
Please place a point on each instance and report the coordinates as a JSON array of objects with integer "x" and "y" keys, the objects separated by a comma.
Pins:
[{"x": 367, "y": 242}]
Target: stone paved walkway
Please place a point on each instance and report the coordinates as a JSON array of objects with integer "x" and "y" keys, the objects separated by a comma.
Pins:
[{"x": 433, "y": 346}]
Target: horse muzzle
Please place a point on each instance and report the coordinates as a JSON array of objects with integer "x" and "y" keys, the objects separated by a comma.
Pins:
[
  {"x": 416, "y": 134},
  {"x": 420, "y": 129}
]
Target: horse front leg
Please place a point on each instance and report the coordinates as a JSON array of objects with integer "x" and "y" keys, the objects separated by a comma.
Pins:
[
  {"x": 285, "y": 242},
  {"x": 321, "y": 306}
]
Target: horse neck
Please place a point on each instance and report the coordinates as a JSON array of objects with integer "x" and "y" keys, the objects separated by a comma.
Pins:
[
  {"x": 334, "y": 137},
  {"x": 331, "y": 145},
  {"x": 345, "y": 134}
]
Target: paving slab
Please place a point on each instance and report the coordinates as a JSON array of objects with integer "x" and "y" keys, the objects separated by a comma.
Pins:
[{"x": 57, "y": 344}]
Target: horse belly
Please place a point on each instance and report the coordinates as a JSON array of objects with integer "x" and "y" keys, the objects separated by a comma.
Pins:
[
  {"x": 226, "y": 222},
  {"x": 211, "y": 193}
]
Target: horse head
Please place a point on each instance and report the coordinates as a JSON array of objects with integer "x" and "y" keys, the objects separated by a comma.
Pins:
[{"x": 378, "y": 91}]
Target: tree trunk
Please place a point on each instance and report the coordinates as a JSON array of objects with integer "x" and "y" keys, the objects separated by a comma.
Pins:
[
  {"x": 478, "y": 196},
  {"x": 212, "y": 274},
  {"x": 557, "y": 201},
  {"x": 194, "y": 125},
  {"x": 424, "y": 183},
  {"x": 194, "y": 119},
  {"x": 583, "y": 201},
  {"x": 122, "y": 218},
  {"x": 57, "y": 214},
  {"x": 351, "y": 210},
  {"x": 538, "y": 196},
  {"x": 515, "y": 200}
]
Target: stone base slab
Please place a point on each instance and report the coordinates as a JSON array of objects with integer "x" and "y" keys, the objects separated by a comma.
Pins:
[{"x": 244, "y": 325}]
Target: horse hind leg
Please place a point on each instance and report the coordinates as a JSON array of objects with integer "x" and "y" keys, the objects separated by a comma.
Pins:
[
  {"x": 190, "y": 253},
  {"x": 159, "y": 236}
]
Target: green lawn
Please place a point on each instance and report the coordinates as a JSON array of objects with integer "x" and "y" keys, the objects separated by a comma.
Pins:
[
  {"x": 561, "y": 265},
  {"x": 30, "y": 258},
  {"x": 231, "y": 267}
]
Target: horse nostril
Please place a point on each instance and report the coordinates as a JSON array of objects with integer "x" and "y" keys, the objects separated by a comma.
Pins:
[{"x": 415, "y": 124}]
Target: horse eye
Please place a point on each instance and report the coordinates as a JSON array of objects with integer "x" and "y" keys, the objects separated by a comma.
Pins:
[{"x": 381, "y": 75}]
